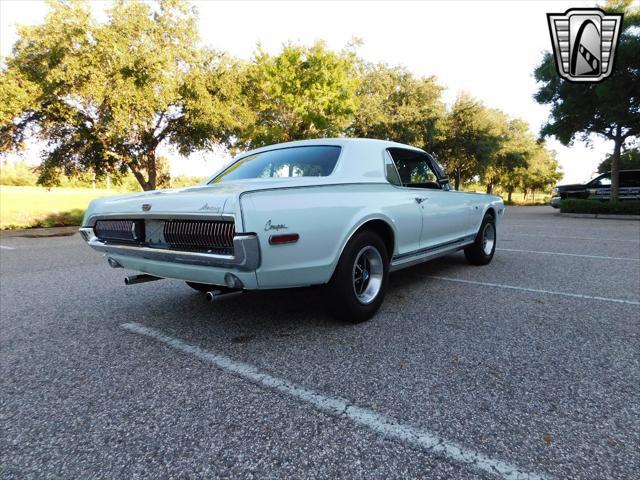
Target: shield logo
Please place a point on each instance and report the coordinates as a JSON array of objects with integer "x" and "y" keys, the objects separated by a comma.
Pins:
[
  {"x": 584, "y": 43},
  {"x": 146, "y": 207}
]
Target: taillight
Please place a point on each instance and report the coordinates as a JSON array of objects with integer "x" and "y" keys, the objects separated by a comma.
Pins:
[{"x": 282, "y": 239}]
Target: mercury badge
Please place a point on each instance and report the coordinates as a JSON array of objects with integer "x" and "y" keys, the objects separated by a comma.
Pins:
[
  {"x": 209, "y": 208},
  {"x": 584, "y": 43}
]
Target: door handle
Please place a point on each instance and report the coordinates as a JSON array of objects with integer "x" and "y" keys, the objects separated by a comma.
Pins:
[{"x": 421, "y": 199}]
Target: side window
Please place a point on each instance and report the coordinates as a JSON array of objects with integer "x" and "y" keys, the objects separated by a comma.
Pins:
[
  {"x": 414, "y": 169},
  {"x": 604, "y": 181},
  {"x": 391, "y": 171}
]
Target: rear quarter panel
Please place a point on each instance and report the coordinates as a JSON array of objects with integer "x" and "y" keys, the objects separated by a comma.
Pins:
[
  {"x": 325, "y": 217},
  {"x": 479, "y": 205}
]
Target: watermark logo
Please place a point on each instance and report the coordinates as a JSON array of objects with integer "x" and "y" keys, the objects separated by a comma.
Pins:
[{"x": 584, "y": 43}]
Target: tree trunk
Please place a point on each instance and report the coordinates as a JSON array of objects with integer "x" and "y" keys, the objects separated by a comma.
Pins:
[
  {"x": 148, "y": 183},
  {"x": 615, "y": 167},
  {"x": 457, "y": 179},
  {"x": 510, "y": 192},
  {"x": 490, "y": 188},
  {"x": 152, "y": 172}
]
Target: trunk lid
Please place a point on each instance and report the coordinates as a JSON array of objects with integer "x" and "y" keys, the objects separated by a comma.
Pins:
[{"x": 214, "y": 199}]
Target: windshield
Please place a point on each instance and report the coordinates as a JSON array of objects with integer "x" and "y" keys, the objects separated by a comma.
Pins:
[{"x": 308, "y": 161}]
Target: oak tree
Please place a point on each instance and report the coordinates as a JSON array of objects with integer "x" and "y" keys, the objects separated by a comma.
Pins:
[
  {"x": 396, "y": 105},
  {"x": 300, "y": 93},
  {"x": 610, "y": 108},
  {"x": 469, "y": 139},
  {"x": 105, "y": 96}
]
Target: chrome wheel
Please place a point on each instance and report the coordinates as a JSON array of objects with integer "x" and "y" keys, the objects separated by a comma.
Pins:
[
  {"x": 488, "y": 238},
  {"x": 368, "y": 271}
]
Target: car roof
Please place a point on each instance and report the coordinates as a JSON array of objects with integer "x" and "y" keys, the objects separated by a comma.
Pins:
[
  {"x": 354, "y": 143},
  {"x": 361, "y": 160}
]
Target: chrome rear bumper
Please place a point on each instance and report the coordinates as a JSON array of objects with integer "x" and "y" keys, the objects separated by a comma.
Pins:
[{"x": 246, "y": 255}]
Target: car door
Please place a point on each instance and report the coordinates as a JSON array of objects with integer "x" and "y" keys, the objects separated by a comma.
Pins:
[
  {"x": 600, "y": 187},
  {"x": 445, "y": 215},
  {"x": 630, "y": 184},
  {"x": 402, "y": 206}
]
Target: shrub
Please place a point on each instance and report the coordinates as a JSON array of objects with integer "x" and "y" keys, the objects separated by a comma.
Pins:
[{"x": 575, "y": 205}]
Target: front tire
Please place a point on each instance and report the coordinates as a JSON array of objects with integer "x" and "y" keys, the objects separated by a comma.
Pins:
[
  {"x": 359, "y": 283},
  {"x": 481, "y": 251}
]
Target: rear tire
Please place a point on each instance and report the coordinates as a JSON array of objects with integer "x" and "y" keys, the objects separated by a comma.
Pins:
[
  {"x": 481, "y": 251},
  {"x": 359, "y": 283},
  {"x": 201, "y": 287}
]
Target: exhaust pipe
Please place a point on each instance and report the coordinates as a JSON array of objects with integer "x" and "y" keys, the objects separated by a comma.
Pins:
[
  {"x": 215, "y": 296},
  {"x": 142, "y": 278}
]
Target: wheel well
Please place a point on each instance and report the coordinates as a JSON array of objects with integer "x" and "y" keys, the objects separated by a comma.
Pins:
[
  {"x": 491, "y": 212},
  {"x": 383, "y": 229}
]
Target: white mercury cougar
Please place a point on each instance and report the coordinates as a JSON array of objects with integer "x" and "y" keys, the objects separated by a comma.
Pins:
[{"x": 342, "y": 212}]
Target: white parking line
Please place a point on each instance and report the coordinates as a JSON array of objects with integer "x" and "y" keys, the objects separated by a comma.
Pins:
[
  {"x": 3, "y": 247},
  {"x": 534, "y": 290},
  {"x": 569, "y": 254},
  {"x": 381, "y": 424},
  {"x": 563, "y": 237}
]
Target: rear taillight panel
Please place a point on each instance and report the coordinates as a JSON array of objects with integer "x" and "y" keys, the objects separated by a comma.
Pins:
[{"x": 128, "y": 231}]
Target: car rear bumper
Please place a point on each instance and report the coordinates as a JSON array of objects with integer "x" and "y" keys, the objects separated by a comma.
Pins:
[
  {"x": 188, "y": 273},
  {"x": 192, "y": 266}
]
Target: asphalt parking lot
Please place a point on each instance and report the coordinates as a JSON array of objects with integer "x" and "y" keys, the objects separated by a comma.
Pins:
[{"x": 526, "y": 368}]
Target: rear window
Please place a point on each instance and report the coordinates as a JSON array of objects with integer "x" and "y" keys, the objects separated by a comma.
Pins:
[{"x": 311, "y": 161}]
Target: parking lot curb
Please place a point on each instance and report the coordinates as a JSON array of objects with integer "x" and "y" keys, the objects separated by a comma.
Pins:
[
  {"x": 40, "y": 232},
  {"x": 600, "y": 215}
]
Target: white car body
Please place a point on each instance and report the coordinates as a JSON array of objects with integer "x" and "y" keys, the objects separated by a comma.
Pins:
[{"x": 418, "y": 224}]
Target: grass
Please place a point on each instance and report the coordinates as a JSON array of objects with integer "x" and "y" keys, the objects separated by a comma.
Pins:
[
  {"x": 29, "y": 207},
  {"x": 517, "y": 198}
]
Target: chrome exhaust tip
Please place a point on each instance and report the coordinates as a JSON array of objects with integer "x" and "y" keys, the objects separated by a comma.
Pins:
[
  {"x": 142, "y": 278},
  {"x": 214, "y": 296}
]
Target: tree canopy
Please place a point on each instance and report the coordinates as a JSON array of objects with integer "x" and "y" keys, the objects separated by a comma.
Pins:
[
  {"x": 468, "y": 140},
  {"x": 395, "y": 105},
  {"x": 629, "y": 160},
  {"x": 516, "y": 148},
  {"x": 610, "y": 108},
  {"x": 303, "y": 92},
  {"x": 104, "y": 96}
]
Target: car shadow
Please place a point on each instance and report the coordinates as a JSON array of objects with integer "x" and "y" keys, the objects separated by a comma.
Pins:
[
  {"x": 414, "y": 275},
  {"x": 281, "y": 313}
]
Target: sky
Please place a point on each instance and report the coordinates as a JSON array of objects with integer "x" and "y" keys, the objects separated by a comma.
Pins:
[{"x": 486, "y": 48}]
